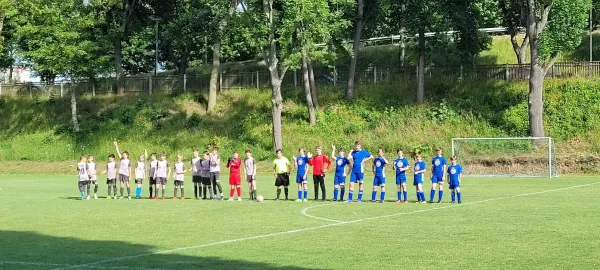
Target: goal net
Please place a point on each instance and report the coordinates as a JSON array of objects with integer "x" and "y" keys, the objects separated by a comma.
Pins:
[{"x": 519, "y": 157}]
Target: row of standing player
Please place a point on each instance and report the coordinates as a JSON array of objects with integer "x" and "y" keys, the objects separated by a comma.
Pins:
[
  {"x": 355, "y": 162},
  {"x": 205, "y": 171}
]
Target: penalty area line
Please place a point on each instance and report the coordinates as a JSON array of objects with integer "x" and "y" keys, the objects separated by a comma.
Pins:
[
  {"x": 72, "y": 266},
  {"x": 337, "y": 223}
]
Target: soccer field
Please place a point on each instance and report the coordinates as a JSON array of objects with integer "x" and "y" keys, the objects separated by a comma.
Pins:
[{"x": 502, "y": 223}]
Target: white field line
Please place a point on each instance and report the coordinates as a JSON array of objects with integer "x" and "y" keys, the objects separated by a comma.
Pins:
[
  {"x": 336, "y": 223},
  {"x": 304, "y": 212},
  {"x": 71, "y": 265}
]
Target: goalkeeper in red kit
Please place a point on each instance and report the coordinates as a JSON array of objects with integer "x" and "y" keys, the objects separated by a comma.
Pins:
[
  {"x": 321, "y": 164},
  {"x": 234, "y": 164}
]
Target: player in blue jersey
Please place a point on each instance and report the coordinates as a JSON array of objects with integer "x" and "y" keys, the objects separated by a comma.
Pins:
[
  {"x": 301, "y": 163},
  {"x": 339, "y": 181},
  {"x": 401, "y": 166},
  {"x": 419, "y": 171},
  {"x": 379, "y": 164},
  {"x": 358, "y": 157},
  {"x": 438, "y": 172},
  {"x": 454, "y": 179}
]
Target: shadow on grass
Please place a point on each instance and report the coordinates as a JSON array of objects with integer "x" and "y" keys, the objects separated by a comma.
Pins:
[{"x": 28, "y": 250}]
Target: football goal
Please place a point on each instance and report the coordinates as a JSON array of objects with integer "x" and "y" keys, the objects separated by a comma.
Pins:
[{"x": 519, "y": 157}]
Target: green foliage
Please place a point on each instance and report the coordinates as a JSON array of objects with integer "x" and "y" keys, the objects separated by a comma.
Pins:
[
  {"x": 442, "y": 113},
  {"x": 566, "y": 24}
]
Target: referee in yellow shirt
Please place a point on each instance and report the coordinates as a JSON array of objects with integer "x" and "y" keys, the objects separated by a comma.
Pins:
[{"x": 281, "y": 169}]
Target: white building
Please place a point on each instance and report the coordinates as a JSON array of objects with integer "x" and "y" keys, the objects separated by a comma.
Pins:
[{"x": 19, "y": 75}]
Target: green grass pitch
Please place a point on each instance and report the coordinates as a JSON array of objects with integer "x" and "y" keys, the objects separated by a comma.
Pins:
[{"x": 503, "y": 223}]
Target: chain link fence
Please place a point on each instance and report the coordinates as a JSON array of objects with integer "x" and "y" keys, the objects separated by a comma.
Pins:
[{"x": 139, "y": 85}]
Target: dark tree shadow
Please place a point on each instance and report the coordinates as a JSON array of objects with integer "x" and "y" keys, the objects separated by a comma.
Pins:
[{"x": 29, "y": 250}]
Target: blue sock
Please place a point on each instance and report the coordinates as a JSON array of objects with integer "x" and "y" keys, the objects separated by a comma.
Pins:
[
  {"x": 382, "y": 196},
  {"x": 418, "y": 196},
  {"x": 299, "y": 194},
  {"x": 82, "y": 195},
  {"x": 405, "y": 195},
  {"x": 431, "y": 195},
  {"x": 350, "y": 193},
  {"x": 422, "y": 196},
  {"x": 306, "y": 194},
  {"x": 399, "y": 195},
  {"x": 458, "y": 195},
  {"x": 335, "y": 194},
  {"x": 139, "y": 192},
  {"x": 360, "y": 193},
  {"x": 373, "y": 195},
  {"x": 441, "y": 195},
  {"x": 452, "y": 196},
  {"x": 342, "y": 193}
]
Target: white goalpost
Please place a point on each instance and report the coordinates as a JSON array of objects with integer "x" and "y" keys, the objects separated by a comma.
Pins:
[{"x": 516, "y": 156}]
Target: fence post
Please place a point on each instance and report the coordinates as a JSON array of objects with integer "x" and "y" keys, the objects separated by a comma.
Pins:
[
  {"x": 61, "y": 89},
  {"x": 30, "y": 94},
  {"x": 375, "y": 75},
  {"x": 552, "y": 71},
  {"x": 257, "y": 80},
  {"x": 93, "y": 89},
  {"x": 184, "y": 82},
  {"x": 0, "y": 89},
  {"x": 334, "y": 76},
  {"x": 506, "y": 72},
  {"x": 150, "y": 85}
]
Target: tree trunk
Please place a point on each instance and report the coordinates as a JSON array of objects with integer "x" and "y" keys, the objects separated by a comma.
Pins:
[
  {"x": 535, "y": 100},
  {"x": 421, "y": 68},
  {"x": 74, "y": 111},
  {"x": 10, "y": 74},
  {"x": 520, "y": 50},
  {"x": 119, "y": 67},
  {"x": 307, "y": 91},
  {"x": 214, "y": 76},
  {"x": 355, "y": 46},
  {"x": 402, "y": 48},
  {"x": 277, "y": 108},
  {"x": 313, "y": 86},
  {"x": 273, "y": 63}
]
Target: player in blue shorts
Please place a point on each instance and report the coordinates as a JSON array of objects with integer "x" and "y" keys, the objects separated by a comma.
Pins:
[
  {"x": 379, "y": 164},
  {"x": 401, "y": 166},
  {"x": 419, "y": 171},
  {"x": 438, "y": 172},
  {"x": 339, "y": 181},
  {"x": 358, "y": 157},
  {"x": 454, "y": 178},
  {"x": 301, "y": 163}
]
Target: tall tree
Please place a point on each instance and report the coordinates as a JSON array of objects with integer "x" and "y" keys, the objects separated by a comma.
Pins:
[
  {"x": 552, "y": 27},
  {"x": 223, "y": 11},
  {"x": 304, "y": 24},
  {"x": 514, "y": 17},
  {"x": 366, "y": 12}
]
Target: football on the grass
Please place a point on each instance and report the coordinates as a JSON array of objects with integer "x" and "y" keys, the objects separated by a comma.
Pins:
[{"x": 260, "y": 198}]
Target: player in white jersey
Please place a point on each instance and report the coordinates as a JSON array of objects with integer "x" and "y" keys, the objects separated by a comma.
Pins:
[
  {"x": 250, "y": 169},
  {"x": 196, "y": 174},
  {"x": 153, "y": 166},
  {"x": 124, "y": 170},
  {"x": 82, "y": 176},
  {"x": 163, "y": 171},
  {"x": 140, "y": 175},
  {"x": 215, "y": 171},
  {"x": 178, "y": 176},
  {"x": 93, "y": 178},
  {"x": 111, "y": 176}
]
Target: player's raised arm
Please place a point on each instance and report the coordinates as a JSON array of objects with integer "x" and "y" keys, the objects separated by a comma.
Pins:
[
  {"x": 117, "y": 148},
  {"x": 333, "y": 156}
]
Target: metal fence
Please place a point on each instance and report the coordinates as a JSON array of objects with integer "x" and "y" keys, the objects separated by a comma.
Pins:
[{"x": 325, "y": 76}]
